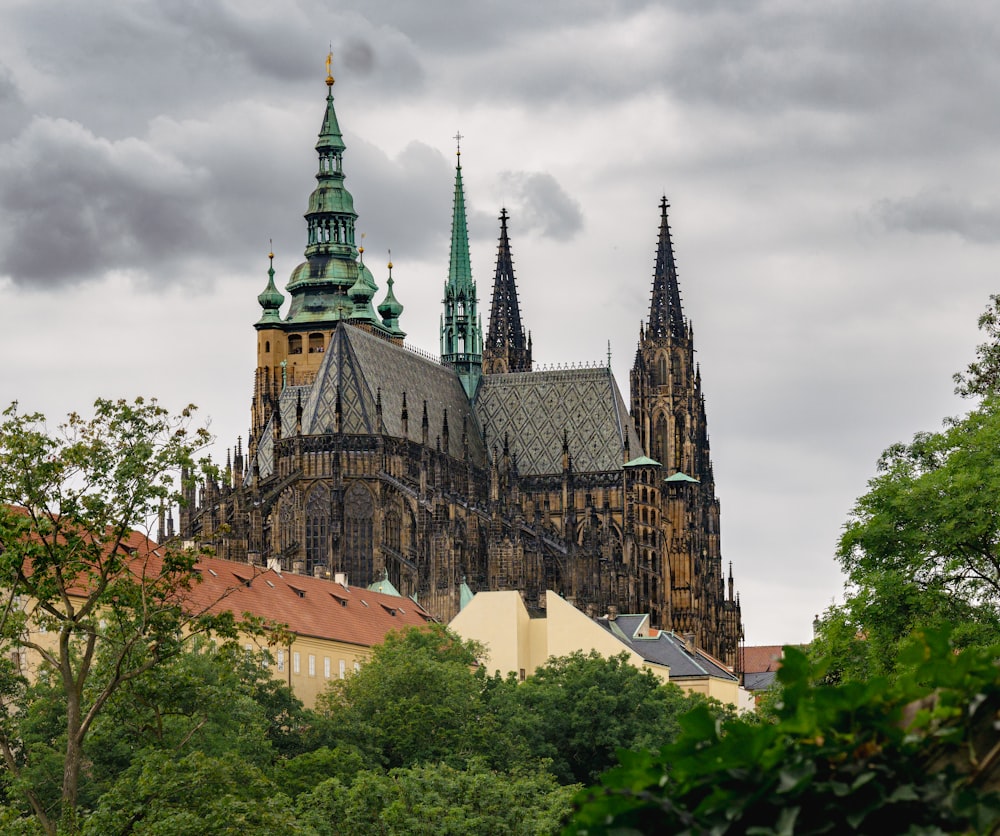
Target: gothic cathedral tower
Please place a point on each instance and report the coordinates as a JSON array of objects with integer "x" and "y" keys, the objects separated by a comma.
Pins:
[{"x": 668, "y": 409}]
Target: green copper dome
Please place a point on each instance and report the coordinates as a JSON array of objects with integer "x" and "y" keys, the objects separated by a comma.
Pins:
[{"x": 271, "y": 299}]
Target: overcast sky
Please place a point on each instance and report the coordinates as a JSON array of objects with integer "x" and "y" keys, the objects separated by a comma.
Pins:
[{"x": 832, "y": 168}]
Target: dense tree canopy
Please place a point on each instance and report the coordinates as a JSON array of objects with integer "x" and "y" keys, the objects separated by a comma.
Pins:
[{"x": 917, "y": 755}]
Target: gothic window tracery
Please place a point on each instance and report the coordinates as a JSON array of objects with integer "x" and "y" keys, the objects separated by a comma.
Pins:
[
  {"x": 317, "y": 526},
  {"x": 359, "y": 512}
]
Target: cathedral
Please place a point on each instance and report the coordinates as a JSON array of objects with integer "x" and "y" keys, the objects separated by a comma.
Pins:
[{"x": 438, "y": 477}]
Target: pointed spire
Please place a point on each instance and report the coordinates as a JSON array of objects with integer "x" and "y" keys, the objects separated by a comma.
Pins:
[
  {"x": 459, "y": 264},
  {"x": 505, "y": 349},
  {"x": 331, "y": 285},
  {"x": 461, "y": 331},
  {"x": 666, "y": 318}
]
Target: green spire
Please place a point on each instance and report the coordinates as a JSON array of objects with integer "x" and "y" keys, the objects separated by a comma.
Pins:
[
  {"x": 461, "y": 331},
  {"x": 459, "y": 264},
  {"x": 270, "y": 300},
  {"x": 320, "y": 287},
  {"x": 390, "y": 309}
]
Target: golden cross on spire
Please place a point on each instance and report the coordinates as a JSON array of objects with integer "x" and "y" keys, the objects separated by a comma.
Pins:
[
  {"x": 458, "y": 144},
  {"x": 329, "y": 61}
]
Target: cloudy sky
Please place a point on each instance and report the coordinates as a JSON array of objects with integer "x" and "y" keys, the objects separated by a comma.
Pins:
[{"x": 832, "y": 169}]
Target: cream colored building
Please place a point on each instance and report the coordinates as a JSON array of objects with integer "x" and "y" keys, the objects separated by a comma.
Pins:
[{"x": 519, "y": 641}]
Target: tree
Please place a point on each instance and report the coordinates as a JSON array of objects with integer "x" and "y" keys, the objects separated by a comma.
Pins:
[
  {"x": 441, "y": 800},
  {"x": 80, "y": 588},
  {"x": 577, "y": 711},
  {"x": 917, "y": 755},
  {"x": 922, "y": 546},
  {"x": 417, "y": 700},
  {"x": 982, "y": 376}
]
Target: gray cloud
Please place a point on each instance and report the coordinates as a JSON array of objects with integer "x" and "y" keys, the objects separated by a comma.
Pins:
[
  {"x": 541, "y": 205},
  {"x": 75, "y": 205},
  {"x": 940, "y": 213}
]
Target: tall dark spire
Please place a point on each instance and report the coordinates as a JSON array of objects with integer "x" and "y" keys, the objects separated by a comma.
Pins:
[
  {"x": 666, "y": 319},
  {"x": 505, "y": 349}
]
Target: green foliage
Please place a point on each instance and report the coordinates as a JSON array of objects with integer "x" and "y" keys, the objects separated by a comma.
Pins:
[
  {"x": 911, "y": 756},
  {"x": 72, "y": 591},
  {"x": 438, "y": 799},
  {"x": 982, "y": 376},
  {"x": 922, "y": 548},
  {"x": 196, "y": 795},
  {"x": 417, "y": 700},
  {"x": 578, "y": 710}
]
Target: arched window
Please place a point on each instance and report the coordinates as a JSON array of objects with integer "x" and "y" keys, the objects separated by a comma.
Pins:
[
  {"x": 286, "y": 526},
  {"x": 315, "y": 343},
  {"x": 295, "y": 344},
  {"x": 318, "y": 527},
  {"x": 267, "y": 346},
  {"x": 359, "y": 512},
  {"x": 661, "y": 370},
  {"x": 661, "y": 451},
  {"x": 392, "y": 529}
]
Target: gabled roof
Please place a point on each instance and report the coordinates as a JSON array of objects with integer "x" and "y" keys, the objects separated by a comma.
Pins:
[
  {"x": 666, "y": 648},
  {"x": 362, "y": 366},
  {"x": 534, "y": 409}
]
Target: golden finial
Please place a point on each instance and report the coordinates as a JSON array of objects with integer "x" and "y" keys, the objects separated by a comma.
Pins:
[
  {"x": 390, "y": 260},
  {"x": 329, "y": 60},
  {"x": 458, "y": 144},
  {"x": 361, "y": 247},
  {"x": 270, "y": 246}
]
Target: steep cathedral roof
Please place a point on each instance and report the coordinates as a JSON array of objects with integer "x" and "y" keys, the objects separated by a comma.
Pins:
[
  {"x": 362, "y": 369},
  {"x": 666, "y": 318},
  {"x": 537, "y": 410}
]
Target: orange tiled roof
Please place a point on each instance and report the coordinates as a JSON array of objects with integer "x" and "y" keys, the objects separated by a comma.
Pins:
[
  {"x": 309, "y": 606},
  {"x": 760, "y": 658}
]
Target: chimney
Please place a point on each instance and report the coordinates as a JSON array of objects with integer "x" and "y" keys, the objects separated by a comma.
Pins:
[
  {"x": 319, "y": 570},
  {"x": 341, "y": 578},
  {"x": 299, "y": 567},
  {"x": 689, "y": 644},
  {"x": 612, "y": 613},
  {"x": 253, "y": 558}
]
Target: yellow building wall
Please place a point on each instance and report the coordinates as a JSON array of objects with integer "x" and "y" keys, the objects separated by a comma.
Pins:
[{"x": 516, "y": 642}]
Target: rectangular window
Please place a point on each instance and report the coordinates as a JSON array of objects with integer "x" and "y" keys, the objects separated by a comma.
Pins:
[
  {"x": 326, "y": 667},
  {"x": 357, "y": 666},
  {"x": 280, "y": 660},
  {"x": 312, "y": 665},
  {"x": 343, "y": 668},
  {"x": 296, "y": 662}
]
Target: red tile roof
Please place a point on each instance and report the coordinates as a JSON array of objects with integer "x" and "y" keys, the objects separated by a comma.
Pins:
[
  {"x": 760, "y": 658},
  {"x": 308, "y": 606}
]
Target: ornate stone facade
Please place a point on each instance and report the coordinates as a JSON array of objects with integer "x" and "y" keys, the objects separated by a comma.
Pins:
[{"x": 471, "y": 472}]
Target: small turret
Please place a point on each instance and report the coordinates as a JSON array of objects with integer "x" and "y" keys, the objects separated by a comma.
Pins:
[{"x": 270, "y": 299}]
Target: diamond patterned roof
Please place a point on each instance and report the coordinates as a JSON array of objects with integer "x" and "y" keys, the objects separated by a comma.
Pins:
[
  {"x": 362, "y": 364},
  {"x": 535, "y": 408}
]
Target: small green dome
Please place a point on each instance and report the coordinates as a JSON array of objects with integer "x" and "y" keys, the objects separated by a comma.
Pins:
[{"x": 271, "y": 299}]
